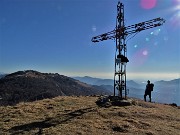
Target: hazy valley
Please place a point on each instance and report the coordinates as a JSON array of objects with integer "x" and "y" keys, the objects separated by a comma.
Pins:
[{"x": 164, "y": 91}]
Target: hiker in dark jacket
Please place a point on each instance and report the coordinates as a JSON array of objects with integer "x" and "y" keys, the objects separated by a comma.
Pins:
[{"x": 149, "y": 88}]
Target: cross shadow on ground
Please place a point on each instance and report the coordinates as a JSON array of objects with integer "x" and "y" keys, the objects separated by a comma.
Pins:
[{"x": 49, "y": 122}]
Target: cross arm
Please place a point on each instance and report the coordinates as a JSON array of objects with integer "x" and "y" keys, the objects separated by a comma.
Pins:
[
  {"x": 105, "y": 36},
  {"x": 118, "y": 32},
  {"x": 143, "y": 26}
]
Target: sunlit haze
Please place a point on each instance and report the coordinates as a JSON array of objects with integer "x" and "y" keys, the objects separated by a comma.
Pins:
[{"x": 54, "y": 36}]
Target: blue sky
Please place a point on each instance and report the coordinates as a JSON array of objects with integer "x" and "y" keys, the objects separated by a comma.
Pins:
[{"x": 54, "y": 36}]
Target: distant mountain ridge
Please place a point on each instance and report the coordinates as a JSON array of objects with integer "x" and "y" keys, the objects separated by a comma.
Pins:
[
  {"x": 32, "y": 85},
  {"x": 164, "y": 91},
  {"x": 99, "y": 81},
  {"x": 88, "y": 80},
  {"x": 130, "y": 83},
  {"x": 2, "y": 75},
  {"x": 171, "y": 82}
]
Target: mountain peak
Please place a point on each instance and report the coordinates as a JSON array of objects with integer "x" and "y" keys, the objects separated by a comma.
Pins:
[
  {"x": 30, "y": 85},
  {"x": 24, "y": 73},
  {"x": 31, "y": 74}
]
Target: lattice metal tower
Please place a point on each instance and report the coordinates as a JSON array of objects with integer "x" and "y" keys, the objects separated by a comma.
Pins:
[
  {"x": 121, "y": 53},
  {"x": 119, "y": 34}
]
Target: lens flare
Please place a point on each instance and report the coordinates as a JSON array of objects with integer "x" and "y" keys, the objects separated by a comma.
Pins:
[
  {"x": 140, "y": 57},
  {"x": 156, "y": 43},
  {"x": 145, "y": 52},
  {"x": 148, "y": 4},
  {"x": 156, "y": 32},
  {"x": 135, "y": 46},
  {"x": 166, "y": 38},
  {"x": 94, "y": 28},
  {"x": 147, "y": 39}
]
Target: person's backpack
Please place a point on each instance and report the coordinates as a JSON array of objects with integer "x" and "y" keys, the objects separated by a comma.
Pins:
[{"x": 151, "y": 86}]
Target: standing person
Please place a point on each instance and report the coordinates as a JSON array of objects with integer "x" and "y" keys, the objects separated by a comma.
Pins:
[{"x": 149, "y": 88}]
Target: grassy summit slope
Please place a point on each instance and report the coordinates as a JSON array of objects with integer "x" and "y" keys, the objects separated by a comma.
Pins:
[{"x": 69, "y": 115}]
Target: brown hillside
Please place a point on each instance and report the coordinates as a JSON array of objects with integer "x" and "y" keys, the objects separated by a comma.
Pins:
[
  {"x": 81, "y": 116},
  {"x": 29, "y": 85}
]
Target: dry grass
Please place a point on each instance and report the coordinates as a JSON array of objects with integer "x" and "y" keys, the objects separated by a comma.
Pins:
[{"x": 81, "y": 116}]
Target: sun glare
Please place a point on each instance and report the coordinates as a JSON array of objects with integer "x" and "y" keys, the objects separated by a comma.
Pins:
[
  {"x": 177, "y": 7},
  {"x": 174, "y": 20}
]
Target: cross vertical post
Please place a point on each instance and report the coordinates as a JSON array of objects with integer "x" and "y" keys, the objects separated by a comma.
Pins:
[{"x": 120, "y": 55}]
